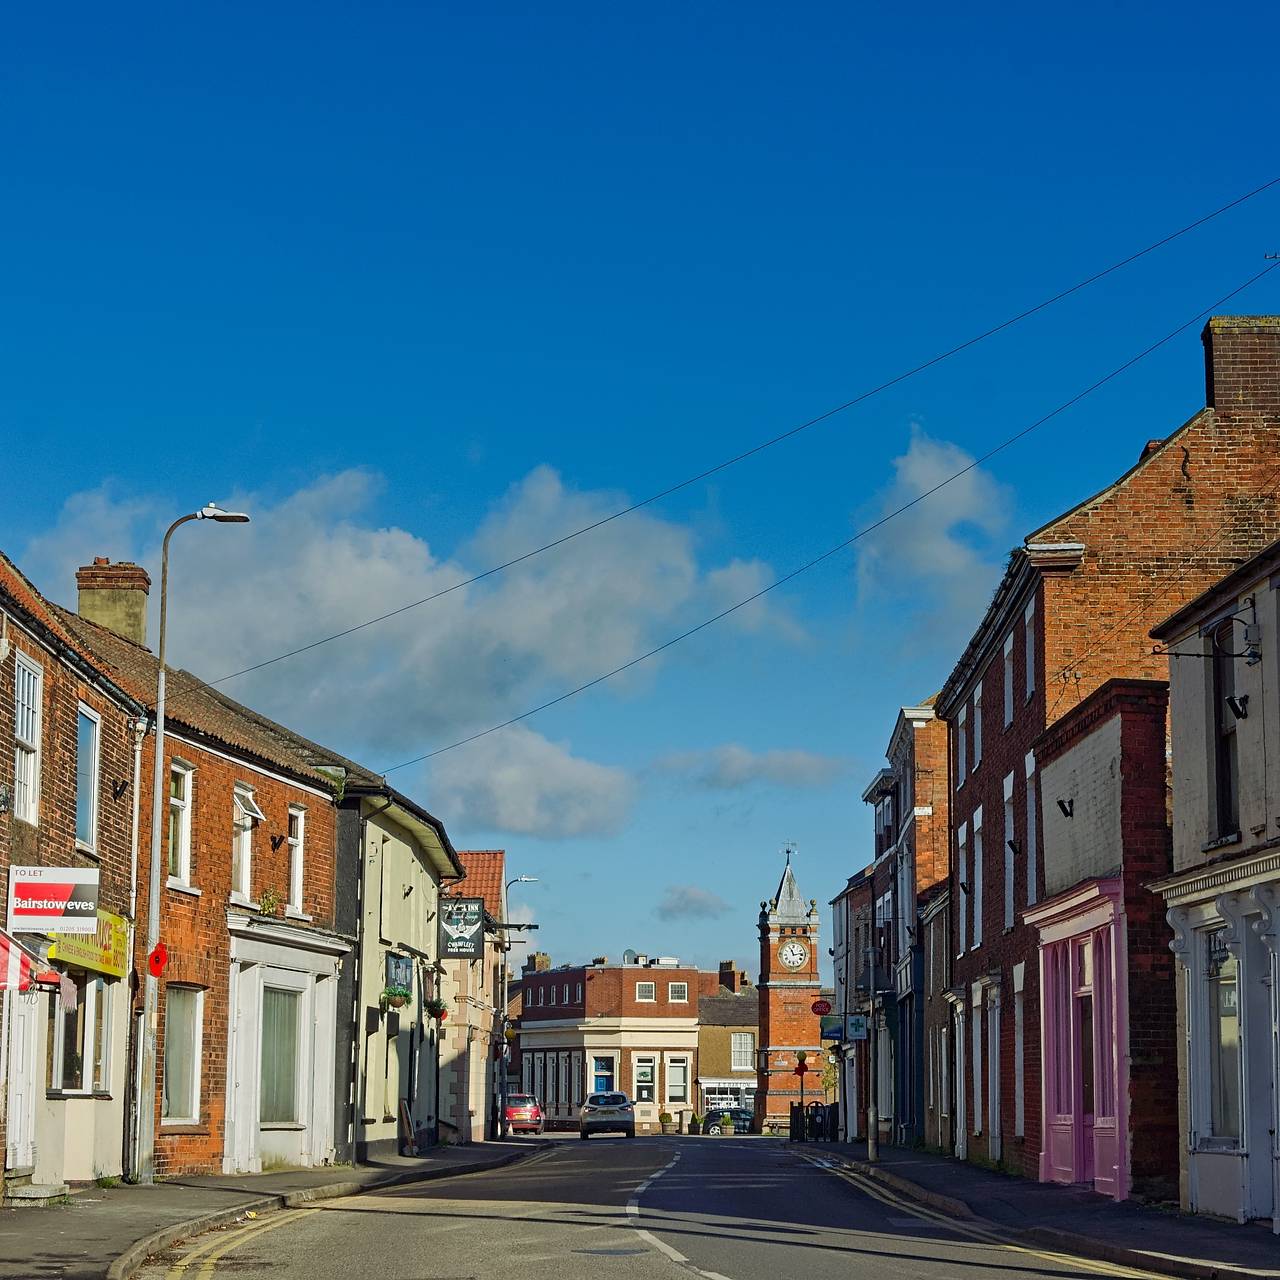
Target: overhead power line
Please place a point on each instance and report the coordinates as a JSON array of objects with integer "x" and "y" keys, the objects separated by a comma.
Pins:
[
  {"x": 848, "y": 542},
  {"x": 733, "y": 461}
]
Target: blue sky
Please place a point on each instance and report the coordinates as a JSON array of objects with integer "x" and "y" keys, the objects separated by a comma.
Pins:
[{"x": 425, "y": 285}]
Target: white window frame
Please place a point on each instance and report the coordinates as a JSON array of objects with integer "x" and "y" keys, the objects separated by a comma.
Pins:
[
  {"x": 651, "y": 1059},
  {"x": 977, "y": 878},
  {"x": 671, "y": 1060},
  {"x": 672, "y": 988},
  {"x": 1019, "y": 1051},
  {"x": 739, "y": 1061},
  {"x": 566, "y": 994},
  {"x": 1029, "y": 642},
  {"x": 553, "y": 994},
  {"x": 96, "y": 987},
  {"x": 90, "y": 845},
  {"x": 976, "y": 1071},
  {"x": 542, "y": 992},
  {"x": 297, "y": 846},
  {"x": 182, "y": 880},
  {"x": 1033, "y": 892},
  {"x": 26, "y": 780},
  {"x": 977, "y": 724},
  {"x": 962, "y": 745},
  {"x": 1008, "y": 851},
  {"x": 965, "y": 902},
  {"x": 242, "y": 836},
  {"x": 652, "y": 997},
  {"x": 578, "y": 992},
  {"x": 1008, "y": 680},
  {"x": 197, "y": 1049}
]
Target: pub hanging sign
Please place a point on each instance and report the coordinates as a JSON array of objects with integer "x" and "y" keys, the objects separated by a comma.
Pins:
[{"x": 461, "y": 928}]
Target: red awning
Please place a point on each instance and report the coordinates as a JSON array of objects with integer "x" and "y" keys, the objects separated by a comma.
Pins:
[{"x": 20, "y": 970}]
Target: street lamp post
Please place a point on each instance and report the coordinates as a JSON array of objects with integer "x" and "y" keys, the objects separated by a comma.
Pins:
[
  {"x": 146, "y": 1164},
  {"x": 504, "y": 1082}
]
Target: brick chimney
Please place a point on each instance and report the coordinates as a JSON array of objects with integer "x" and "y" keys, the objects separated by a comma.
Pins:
[
  {"x": 732, "y": 978},
  {"x": 115, "y": 596},
  {"x": 1242, "y": 364}
]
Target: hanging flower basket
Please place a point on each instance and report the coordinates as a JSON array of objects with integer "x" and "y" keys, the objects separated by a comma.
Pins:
[
  {"x": 437, "y": 1009},
  {"x": 396, "y": 997}
]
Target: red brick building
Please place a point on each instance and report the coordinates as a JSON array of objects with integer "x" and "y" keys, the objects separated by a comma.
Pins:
[
  {"x": 787, "y": 988},
  {"x": 1106, "y": 974},
  {"x": 1071, "y": 612},
  {"x": 248, "y": 1001},
  {"x": 597, "y": 1027},
  {"x": 70, "y": 743}
]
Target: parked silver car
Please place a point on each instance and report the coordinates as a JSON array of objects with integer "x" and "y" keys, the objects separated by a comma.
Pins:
[{"x": 607, "y": 1113}]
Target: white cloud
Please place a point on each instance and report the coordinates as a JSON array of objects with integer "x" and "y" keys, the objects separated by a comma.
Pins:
[
  {"x": 730, "y": 767},
  {"x": 520, "y": 782},
  {"x": 315, "y": 561},
  {"x": 741, "y": 579},
  {"x": 941, "y": 554},
  {"x": 688, "y": 902}
]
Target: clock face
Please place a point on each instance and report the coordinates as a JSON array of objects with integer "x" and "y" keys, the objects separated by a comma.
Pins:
[{"x": 793, "y": 954}]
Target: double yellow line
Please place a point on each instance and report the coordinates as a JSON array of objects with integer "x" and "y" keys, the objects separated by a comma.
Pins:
[
  {"x": 205, "y": 1257},
  {"x": 974, "y": 1231}
]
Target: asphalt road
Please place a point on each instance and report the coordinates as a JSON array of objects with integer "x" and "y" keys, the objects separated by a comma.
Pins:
[{"x": 648, "y": 1209}]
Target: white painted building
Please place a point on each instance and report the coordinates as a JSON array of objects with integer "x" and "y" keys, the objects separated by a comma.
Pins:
[{"x": 1224, "y": 895}]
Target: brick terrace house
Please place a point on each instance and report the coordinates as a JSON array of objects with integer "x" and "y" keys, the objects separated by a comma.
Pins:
[
  {"x": 728, "y": 1029},
  {"x": 1105, "y": 970},
  {"x": 70, "y": 742},
  {"x": 472, "y": 1047},
  {"x": 248, "y": 1003},
  {"x": 1071, "y": 612},
  {"x": 910, "y": 799},
  {"x": 631, "y": 1026},
  {"x": 939, "y": 1104},
  {"x": 1223, "y": 896},
  {"x": 851, "y": 930}
]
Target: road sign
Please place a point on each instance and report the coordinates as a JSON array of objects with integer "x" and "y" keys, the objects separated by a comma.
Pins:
[{"x": 821, "y": 1007}]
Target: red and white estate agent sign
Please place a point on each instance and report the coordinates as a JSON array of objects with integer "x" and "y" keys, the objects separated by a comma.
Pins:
[{"x": 53, "y": 899}]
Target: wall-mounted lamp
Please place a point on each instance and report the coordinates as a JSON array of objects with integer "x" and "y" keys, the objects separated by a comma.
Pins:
[
  {"x": 1068, "y": 807},
  {"x": 1239, "y": 704}
]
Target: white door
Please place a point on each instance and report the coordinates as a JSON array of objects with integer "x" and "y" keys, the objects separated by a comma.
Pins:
[{"x": 23, "y": 1017}]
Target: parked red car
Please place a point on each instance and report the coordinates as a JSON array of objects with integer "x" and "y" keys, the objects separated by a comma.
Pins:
[{"x": 524, "y": 1113}]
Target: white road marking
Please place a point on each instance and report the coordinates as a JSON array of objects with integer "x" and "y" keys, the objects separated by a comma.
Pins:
[{"x": 674, "y": 1255}]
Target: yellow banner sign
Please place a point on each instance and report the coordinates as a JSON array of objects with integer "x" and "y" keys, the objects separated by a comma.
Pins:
[{"x": 106, "y": 951}]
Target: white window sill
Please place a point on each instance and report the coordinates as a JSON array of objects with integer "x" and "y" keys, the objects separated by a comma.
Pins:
[
  {"x": 87, "y": 849},
  {"x": 239, "y": 900},
  {"x": 289, "y": 1125},
  {"x": 181, "y": 886},
  {"x": 293, "y": 913}
]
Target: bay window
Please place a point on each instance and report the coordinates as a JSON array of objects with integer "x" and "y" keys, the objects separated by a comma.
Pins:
[{"x": 79, "y": 1046}]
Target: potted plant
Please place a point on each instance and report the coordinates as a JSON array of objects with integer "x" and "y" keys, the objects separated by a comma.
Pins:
[
  {"x": 695, "y": 1122},
  {"x": 667, "y": 1121},
  {"x": 395, "y": 996},
  {"x": 726, "y": 1123},
  {"x": 436, "y": 1008}
]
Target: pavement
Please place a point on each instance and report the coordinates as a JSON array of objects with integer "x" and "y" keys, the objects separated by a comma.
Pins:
[
  {"x": 106, "y": 1233},
  {"x": 1074, "y": 1219},
  {"x": 649, "y": 1208}
]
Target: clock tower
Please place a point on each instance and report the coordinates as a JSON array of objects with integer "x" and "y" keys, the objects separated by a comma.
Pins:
[{"x": 787, "y": 989}]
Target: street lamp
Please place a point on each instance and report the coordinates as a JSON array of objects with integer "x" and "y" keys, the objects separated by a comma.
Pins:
[
  {"x": 504, "y": 1082},
  {"x": 147, "y": 1101}
]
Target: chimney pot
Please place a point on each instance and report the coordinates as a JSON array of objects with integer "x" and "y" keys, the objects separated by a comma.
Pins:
[{"x": 115, "y": 596}]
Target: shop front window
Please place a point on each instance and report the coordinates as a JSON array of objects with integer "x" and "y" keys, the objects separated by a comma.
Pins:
[
  {"x": 646, "y": 1079},
  {"x": 79, "y": 1046},
  {"x": 1223, "y": 1027},
  {"x": 602, "y": 1074}
]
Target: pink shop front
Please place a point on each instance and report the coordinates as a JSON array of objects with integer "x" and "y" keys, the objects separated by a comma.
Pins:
[{"x": 1084, "y": 1037}]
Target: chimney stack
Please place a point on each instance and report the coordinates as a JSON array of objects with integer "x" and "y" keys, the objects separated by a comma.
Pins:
[
  {"x": 1242, "y": 364},
  {"x": 115, "y": 596},
  {"x": 732, "y": 978}
]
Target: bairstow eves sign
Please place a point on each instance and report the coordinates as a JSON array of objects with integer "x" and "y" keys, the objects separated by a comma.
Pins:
[{"x": 53, "y": 900}]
